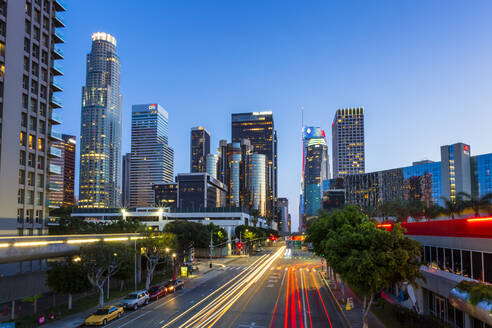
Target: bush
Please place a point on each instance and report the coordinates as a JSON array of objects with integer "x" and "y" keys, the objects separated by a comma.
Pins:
[{"x": 478, "y": 292}]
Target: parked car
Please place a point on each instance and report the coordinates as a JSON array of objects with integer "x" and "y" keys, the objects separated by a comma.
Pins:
[
  {"x": 135, "y": 299},
  {"x": 104, "y": 315},
  {"x": 156, "y": 292},
  {"x": 178, "y": 284}
]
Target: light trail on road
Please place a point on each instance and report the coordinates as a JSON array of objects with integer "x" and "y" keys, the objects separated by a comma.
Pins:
[{"x": 219, "y": 305}]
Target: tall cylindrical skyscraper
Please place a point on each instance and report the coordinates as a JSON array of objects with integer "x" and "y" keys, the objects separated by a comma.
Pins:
[
  {"x": 258, "y": 183},
  {"x": 100, "y": 144}
]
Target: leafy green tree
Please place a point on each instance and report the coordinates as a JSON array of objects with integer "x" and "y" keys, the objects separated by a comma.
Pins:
[
  {"x": 368, "y": 258},
  {"x": 102, "y": 261},
  {"x": 67, "y": 278},
  {"x": 416, "y": 209},
  {"x": 453, "y": 207},
  {"x": 75, "y": 225},
  {"x": 396, "y": 208},
  {"x": 153, "y": 248},
  {"x": 477, "y": 203}
]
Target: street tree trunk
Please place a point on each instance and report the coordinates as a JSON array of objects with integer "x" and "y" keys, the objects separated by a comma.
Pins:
[
  {"x": 69, "y": 301},
  {"x": 101, "y": 295},
  {"x": 35, "y": 304},
  {"x": 365, "y": 311},
  {"x": 151, "y": 265}
]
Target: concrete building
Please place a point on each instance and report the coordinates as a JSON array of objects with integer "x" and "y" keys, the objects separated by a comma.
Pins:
[
  {"x": 151, "y": 156},
  {"x": 348, "y": 142},
  {"x": 455, "y": 170},
  {"x": 199, "y": 148},
  {"x": 100, "y": 144},
  {"x": 453, "y": 251},
  {"x": 200, "y": 191},
  {"x": 29, "y": 78},
  {"x": 125, "y": 180},
  {"x": 62, "y": 185},
  {"x": 259, "y": 129}
]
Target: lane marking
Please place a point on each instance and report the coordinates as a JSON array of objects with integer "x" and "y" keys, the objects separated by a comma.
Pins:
[{"x": 145, "y": 313}]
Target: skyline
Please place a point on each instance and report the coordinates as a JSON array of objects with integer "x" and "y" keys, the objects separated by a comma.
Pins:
[{"x": 205, "y": 92}]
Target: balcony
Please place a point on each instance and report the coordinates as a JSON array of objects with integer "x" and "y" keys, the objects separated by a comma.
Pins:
[
  {"x": 55, "y": 169},
  {"x": 58, "y": 37},
  {"x": 56, "y": 135},
  {"x": 51, "y": 204},
  {"x": 59, "y": 5},
  {"x": 56, "y": 102},
  {"x": 58, "y": 53},
  {"x": 55, "y": 152},
  {"x": 56, "y": 86},
  {"x": 58, "y": 20},
  {"x": 53, "y": 187},
  {"x": 57, "y": 68},
  {"x": 56, "y": 118}
]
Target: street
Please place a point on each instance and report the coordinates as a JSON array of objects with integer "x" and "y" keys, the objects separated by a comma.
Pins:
[{"x": 265, "y": 290}]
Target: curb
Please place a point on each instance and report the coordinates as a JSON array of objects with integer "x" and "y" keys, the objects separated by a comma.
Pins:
[{"x": 339, "y": 307}]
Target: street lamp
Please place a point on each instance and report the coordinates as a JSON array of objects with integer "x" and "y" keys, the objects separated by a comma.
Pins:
[{"x": 174, "y": 265}]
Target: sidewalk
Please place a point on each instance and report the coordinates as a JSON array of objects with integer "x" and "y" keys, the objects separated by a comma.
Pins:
[
  {"x": 353, "y": 317},
  {"x": 77, "y": 319}
]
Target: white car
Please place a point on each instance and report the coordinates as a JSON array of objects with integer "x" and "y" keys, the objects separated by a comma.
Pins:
[{"x": 135, "y": 299}]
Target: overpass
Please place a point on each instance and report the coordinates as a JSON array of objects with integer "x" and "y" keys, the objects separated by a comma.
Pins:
[{"x": 25, "y": 248}]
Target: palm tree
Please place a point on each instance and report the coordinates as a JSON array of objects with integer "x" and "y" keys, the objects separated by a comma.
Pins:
[
  {"x": 453, "y": 207},
  {"x": 432, "y": 211},
  {"x": 477, "y": 203},
  {"x": 255, "y": 213}
]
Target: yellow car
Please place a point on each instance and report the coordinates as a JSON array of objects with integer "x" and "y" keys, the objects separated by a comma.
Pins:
[{"x": 104, "y": 315}]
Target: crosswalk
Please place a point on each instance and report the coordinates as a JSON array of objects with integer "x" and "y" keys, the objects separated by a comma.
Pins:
[{"x": 232, "y": 268}]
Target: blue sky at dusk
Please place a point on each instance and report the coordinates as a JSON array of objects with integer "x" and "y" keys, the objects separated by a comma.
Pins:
[{"x": 421, "y": 69}]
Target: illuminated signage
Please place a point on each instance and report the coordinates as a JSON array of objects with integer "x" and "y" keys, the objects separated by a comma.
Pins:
[{"x": 152, "y": 106}]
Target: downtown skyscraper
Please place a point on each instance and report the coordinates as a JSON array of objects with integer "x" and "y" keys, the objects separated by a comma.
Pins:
[
  {"x": 30, "y": 39},
  {"x": 62, "y": 185},
  {"x": 100, "y": 140},
  {"x": 348, "y": 142},
  {"x": 200, "y": 148},
  {"x": 151, "y": 158},
  {"x": 315, "y": 169},
  {"x": 258, "y": 128}
]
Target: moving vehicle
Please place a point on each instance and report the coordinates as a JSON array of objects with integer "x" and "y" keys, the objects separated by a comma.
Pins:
[
  {"x": 156, "y": 292},
  {"x": 135, "y": 299},
  {"x": 173, "y": 285},
  {"x": 104, "y": 315}
]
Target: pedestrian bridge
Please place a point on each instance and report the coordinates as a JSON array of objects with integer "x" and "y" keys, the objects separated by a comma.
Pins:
[{"x": 25, "y": 248}]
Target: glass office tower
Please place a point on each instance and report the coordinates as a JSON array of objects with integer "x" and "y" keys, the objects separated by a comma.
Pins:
[
  {"x": 258, "y": 183},
  {"x": 151, "y": 157},
  {"x": 100, "y": 144},
  {"x": 348, "y": 142},
  {"x": 212, "y": 165},
  {"x": 200, "y": 147},
  {"x": 258, "y": 127},
  {"x": 61, "y": 186}
]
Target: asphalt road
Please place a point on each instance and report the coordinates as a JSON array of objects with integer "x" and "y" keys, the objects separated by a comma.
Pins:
[{"x": 266, "y": 290}]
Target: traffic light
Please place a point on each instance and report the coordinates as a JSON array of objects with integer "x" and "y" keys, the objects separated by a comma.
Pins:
[
  {"x": 273, "y": 238},
  {"x": 239, "y": 245}
]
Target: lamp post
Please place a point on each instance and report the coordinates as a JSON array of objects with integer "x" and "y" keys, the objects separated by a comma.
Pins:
[
  {"x": 174, "y": 265},
  {"x": 135, "y": 264},
  {"x": 211, "y": 246}
]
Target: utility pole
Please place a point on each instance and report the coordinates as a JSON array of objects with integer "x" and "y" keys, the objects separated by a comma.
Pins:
[
  {"x": 135, "y": 265},
  {"x": 211, "y": 246}
]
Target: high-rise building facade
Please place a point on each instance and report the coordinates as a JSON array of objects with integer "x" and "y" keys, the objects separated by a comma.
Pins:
[
  {"x": 259, "y": 172},
  {"x": 200, "y": 147},
  {"x": 348, "y": 142},
  {"x": 258, "y": 128},
  {"x": 125, "y": 180},
  {"x": 456, "y": 170},
  {"x": 315, "y": 170},
  {"x": 151, "y": 156},
  {"x": 283, "y": 207},
  {"x": 29, "y": 70},
  {"x": 212, "y": 165},
  {"x": 61, "y": 186},
  {"x": 100, "y": 140}
]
